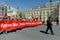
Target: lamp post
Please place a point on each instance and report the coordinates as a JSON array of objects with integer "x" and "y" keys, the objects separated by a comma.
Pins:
[
  {"x": 59, "y": 10},
  {"x": 50, "y": 8}
]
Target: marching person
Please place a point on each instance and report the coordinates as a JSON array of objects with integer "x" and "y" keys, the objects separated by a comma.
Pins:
[{"x": 49, "y": 26}]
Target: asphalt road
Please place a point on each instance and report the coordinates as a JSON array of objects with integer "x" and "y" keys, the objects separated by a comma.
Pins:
[{"x": 32, "y": 33}]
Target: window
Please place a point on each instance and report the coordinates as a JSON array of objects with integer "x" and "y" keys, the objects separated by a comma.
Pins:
[
  {"x": 47, "y": 13},
  {"x": 0, "y": 11},
  {"x": 40, "y": 15},
  {"x": 5, "y": 12},
  {"x": 43, "y": 13}
]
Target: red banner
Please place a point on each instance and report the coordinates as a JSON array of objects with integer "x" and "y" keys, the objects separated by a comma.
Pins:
[{"x": 6, "y": 25}]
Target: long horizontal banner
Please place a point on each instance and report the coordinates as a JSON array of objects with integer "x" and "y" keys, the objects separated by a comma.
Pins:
[{"x": 6, "y": 25}]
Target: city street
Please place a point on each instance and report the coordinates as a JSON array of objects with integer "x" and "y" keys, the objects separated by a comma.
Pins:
[
  {"x": 22, "y": 13},
  {"x": 32, "y": 33}
]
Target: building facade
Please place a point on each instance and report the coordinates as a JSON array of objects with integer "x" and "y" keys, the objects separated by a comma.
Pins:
[
  {"x": 44, "y": 11},
  {"x": 3, "y": 9},
  {"x": 12, "y": 12},
  {"x": 6, "y": 10}
]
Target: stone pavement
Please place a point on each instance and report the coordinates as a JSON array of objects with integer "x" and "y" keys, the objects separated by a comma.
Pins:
[{"x": 32, "y": 33}]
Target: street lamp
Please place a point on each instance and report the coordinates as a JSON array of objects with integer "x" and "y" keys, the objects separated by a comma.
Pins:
[{"x": 50, "y": 7}]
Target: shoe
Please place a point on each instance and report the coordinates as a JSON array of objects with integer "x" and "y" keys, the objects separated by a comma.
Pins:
[
  {"x": 53, "y": 34},
  {"x": 46, "y": 33}
]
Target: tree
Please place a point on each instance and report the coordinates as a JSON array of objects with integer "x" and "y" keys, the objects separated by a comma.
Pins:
[{"x": 20, "y": 15}]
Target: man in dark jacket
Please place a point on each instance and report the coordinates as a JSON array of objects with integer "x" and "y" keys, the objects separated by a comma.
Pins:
[
  {"x": 57, "y": 21},
  {"x": 49, "y": 26}
]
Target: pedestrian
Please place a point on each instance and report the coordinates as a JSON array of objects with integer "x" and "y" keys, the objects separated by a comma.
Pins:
[
  {"x": 57, "y": 21},
  {"x": 49, "y": 26}
]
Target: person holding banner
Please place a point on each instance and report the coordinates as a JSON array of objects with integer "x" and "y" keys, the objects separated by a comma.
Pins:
[{"x": 34, "y": 17}]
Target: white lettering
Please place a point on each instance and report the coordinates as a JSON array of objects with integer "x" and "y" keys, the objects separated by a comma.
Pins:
[{"x": 15, "y": 24}]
